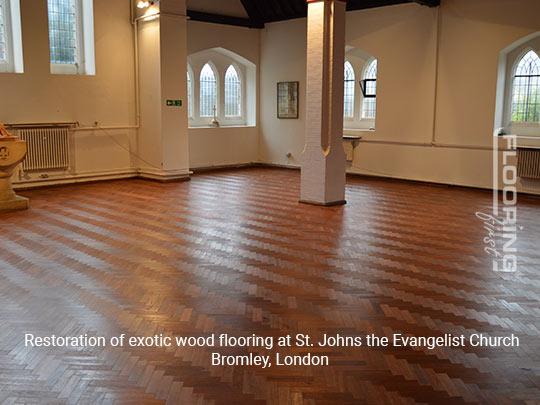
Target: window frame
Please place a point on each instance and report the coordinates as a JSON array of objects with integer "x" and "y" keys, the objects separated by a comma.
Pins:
[
  {"x": 220, "y": 64},
  {"x": 13, "y": 38},
  {"x": 234, "y": 119},
  {"x": 514, "y": 76},
  {"x": 368, "y": 96},
  {"x": 353, "y": 80},
  {"x": 512, "y": 62},
  {"x": 84, "y": 52},
  {"x": 7, "y": 65},
  {"x": 363, "y": 86},
  {"x": 190, "y": 90},
  {"x": 217, "y": 96}
]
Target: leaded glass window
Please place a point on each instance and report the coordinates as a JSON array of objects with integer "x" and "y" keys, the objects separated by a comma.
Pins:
[
  {"x": 526, "y": 89},
  {"x": 208, "y": 91},
  {"x": 348, "y": 101},
  {"x": 369, "y": 89},
  {"x": 233, "y": 97},
  {"x": 63, "y": 32}
]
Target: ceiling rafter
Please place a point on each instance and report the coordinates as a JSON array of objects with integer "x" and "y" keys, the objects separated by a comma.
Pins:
[
  {"x": 429, "y": 3},
  {"x": 261, "y": 12},
  {"x": 222, "y": 19},
  {"x": 253, "y": 12}
]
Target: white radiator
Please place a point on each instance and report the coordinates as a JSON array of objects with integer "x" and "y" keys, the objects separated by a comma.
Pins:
[
  {"x": 529, "y": 163},
  {"x": 48, "y": 147}
]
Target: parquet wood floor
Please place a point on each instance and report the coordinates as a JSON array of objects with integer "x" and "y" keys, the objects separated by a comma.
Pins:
[{"x": 234, "y": 252}]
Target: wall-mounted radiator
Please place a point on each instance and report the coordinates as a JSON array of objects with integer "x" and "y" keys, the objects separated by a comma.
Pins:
[
  {"x": 48, "y": 146},
  {"x": 529, "y": 163}
]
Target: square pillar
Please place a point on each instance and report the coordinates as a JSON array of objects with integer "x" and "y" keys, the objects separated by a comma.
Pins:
[
  {"x": 324, "y": 161},
  {"x": 163, "y": 147}
]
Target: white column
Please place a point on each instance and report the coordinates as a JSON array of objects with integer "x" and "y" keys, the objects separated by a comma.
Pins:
[
  {"x": 163, "y": 136},
  {"x": 324, "y": 162}
]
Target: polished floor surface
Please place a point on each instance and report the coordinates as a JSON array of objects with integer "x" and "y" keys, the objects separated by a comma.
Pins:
[{"x": 234, "y": 252}]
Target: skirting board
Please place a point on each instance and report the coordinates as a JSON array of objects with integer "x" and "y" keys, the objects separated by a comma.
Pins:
[
  {"x": 205, "y": 169},
  {"x": 132, "y": 173},
  {"x": 328, "y": 204},
  {"x": 96, "y": 177},
  {"x": 164, "y": 178},
  {"x": 76, "y": 179}
]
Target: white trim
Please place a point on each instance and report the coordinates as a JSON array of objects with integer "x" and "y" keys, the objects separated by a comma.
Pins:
[
  {"x": 82, "y": 177},
  {"x": 7, "y": 66},
  {"x": 164, "y": 175},
  {"x": 190, "y": 89},
  {"x": 87, "y": 21}
]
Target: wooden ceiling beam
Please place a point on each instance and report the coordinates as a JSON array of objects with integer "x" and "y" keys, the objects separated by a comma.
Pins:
[
  {"x": 265, "y": 11},
  {"x": 253, "y": 13},
  {"x": 429, "y": 3},
  {"x": 353, "y": 5},
  {"x": 222, "y": 19}
]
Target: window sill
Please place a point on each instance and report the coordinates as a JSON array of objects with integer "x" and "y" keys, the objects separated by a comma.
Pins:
[
  {"x": 221, "y": 126},
  {"x": 522, "y": 141},
  {"x": 357, "y": 131}
]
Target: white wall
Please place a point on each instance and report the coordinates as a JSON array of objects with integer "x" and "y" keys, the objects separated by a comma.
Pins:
[
  {"x": 108, "y": 97},
  {"x": 403, "y": 38},
  {"x": 457, "y": 117},
  {"x": 283, "y": 59},
  {"x": 226, "y": 145}
]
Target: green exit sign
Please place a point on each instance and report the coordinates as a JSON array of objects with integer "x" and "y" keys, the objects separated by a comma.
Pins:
[{"x": 174, "y": 103}]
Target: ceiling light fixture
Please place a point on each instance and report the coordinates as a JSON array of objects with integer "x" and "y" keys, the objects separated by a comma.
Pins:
[{"x": 144, "y": 4}]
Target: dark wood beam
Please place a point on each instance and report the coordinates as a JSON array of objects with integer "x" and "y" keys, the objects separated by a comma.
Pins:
[
  {"x": 222, "y": 19},
  {"x": 365, "y": 4},
  {"x": 429, "y": 3},
  {"x": 265, "y": 11},
  {"x": 254, "y": 13}
]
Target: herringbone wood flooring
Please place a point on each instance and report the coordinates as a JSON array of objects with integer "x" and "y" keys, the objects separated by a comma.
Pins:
[{"x": 233, "y": 252}]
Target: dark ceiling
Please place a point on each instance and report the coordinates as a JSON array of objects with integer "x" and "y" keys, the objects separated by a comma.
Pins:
[{"x": 261, "y": 12}]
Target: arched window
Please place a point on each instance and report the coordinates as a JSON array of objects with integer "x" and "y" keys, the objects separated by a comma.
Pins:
[
  {"x": 208, "y": 93},
  {"x": 348, "y": 101},
  {"x": 369, "y": 91},
  {"x": 526, "y": 89},
  {"x": 224, "y": 84},
  {"x": 233, "y": 96},
  {"x": 189, "y": 94}
]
